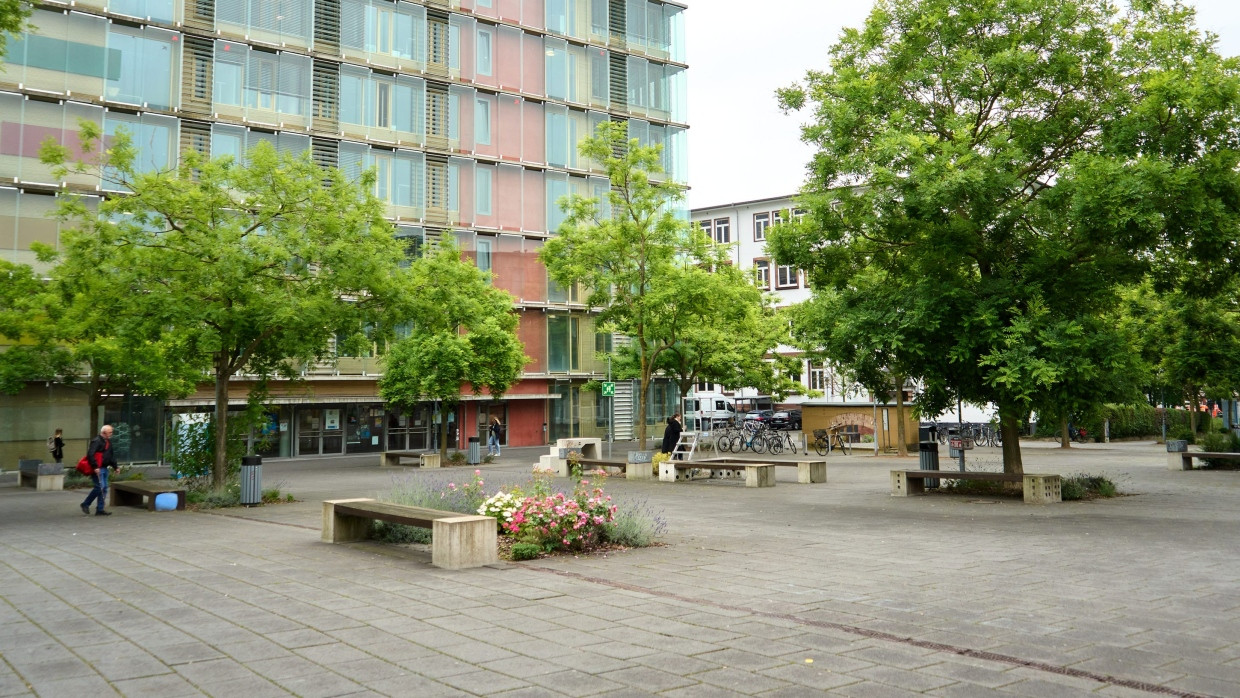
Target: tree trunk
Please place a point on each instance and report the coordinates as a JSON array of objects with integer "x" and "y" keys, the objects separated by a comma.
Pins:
[
  {"x": 1065, "y": 439},
  {"x": 219, "y": 468},
  {"x": 644, "y": 385},
  {"x": 1192, "y": 415},
  {"x": 1009, "y": 423},
  {"x": 443, "y": 434},
  {"x": 901, "y": 439}
]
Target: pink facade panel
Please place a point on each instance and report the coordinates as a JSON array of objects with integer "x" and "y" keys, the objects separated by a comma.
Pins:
[
  {"x": 534, "y": 196},
  {"x": 533, "y": 133},
  {"x": 533, "y": 70},
  {"x": 508, "y": 197},
  {"x": 508, "y": 58},
  {"x": 510, "y": 116}
]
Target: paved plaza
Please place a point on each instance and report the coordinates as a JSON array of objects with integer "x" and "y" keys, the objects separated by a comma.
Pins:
[{"x": 796, "y": 590}]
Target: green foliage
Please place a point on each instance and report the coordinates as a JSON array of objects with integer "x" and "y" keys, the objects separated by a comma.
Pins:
[
  {"x": 398, "y": 534},
  {"x": 248, "y": 266},
  {"x": 225, "y": 498},
  {"x": 1078, "y": 487},
  {"x": 464, "y": 331},
  {"x": 13, "y": 20},
  {"x": 636, "y": 525},
  {"x": 525, "y": 551},
  {"x": 436, "y": 493},
  {"x": 270, "y": 496},
  {"x": 997, "y": 169},
  {"x": 628, "y": 247},
  {"x": 981, "y": 488}
]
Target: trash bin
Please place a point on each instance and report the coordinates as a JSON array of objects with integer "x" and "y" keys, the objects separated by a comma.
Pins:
[
  {"x": 1177, "y": 445},
  {"x": 928, "y": 432},
  {"x": 474, "y": 456},
  {"x": 928, "y": 455},
  {"x": 251, "y": 481}
]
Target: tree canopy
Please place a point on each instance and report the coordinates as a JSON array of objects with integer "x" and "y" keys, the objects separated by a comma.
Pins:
[
  {"x": 245, "y": 267},
  {"x": 463, "y": 335},
  {"x": 1009, "y": 160}
]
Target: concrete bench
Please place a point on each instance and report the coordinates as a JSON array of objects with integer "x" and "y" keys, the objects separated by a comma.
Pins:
[
  {"x": 458, "y": 541},
  {"x": 426, "y": 459},
  {"x": 137, "y": 493},
  {"x": 1038, "y": 488},
  {"x": 756, "y": 474},
  {"x": 808, "y": 471},
  {"x": 43, "y": 477},
  {"x": 1183, "y": 460}
]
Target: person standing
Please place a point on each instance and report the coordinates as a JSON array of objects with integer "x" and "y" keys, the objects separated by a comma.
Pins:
[
  {"x": 493, "y": 434},
  {"x": 58, "y": 446},
  {"x": 671, "y": 435},
  {"x": 99, "y": 455}
]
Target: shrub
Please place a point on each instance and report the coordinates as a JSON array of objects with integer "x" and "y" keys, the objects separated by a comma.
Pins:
[
  {"x": 457, "y": 458},
  {"x": 635, "y": 525},
  {"x": 220, "y": 499},
  {"x": 398, "y": 534},
  {"x": 979, "y": 487},
  {"x": 1082, "y": 486},
  {"x": 434, "y": 493},
  {"x": 271, "y": 495},
  {"x": 1216, "y": 442},
  {"x": 525, "y": 551},
  {"x": 290, "y": 498}
]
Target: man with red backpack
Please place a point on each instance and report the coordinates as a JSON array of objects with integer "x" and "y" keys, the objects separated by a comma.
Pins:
[{"x": 100, "y": 457}]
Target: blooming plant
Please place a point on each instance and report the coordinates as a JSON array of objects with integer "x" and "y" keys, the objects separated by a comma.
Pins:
[
  {"x": 560, "y": 521},
  {"x": 502, "y": 505},
  {"x": 471, "y": 492}
]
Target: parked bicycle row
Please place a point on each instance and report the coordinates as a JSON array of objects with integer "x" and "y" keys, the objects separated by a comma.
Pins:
[
  {"x": 982, "y": 434},
  {"x": 760, "y": 438}
]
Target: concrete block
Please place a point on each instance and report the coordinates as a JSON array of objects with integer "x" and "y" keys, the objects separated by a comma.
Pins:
[
  {"x": 50, "y": 483},
  {"x": 640, "y": 471},
  {"x": 342, "y": 529},
  {"x": 811, "y": 471},
  {"x": 1042, "y": 489},
  {"x": 464, "y": 541},
  {"x": 760, "y": 475},
  {"x": 1177, "y": 461},
  {"x": 902, "y": 486},
  {"x": 667, "y": 471},
  {"x": 429, "y": 460}
]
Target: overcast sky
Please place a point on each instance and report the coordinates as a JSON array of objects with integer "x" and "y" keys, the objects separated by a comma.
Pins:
[{"x": 740, "y": 146}]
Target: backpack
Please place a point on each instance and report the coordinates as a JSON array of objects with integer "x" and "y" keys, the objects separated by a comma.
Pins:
[{"x": 51, "y": 444}]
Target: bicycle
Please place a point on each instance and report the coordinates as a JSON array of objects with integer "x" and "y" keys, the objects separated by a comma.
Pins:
[
  {"x": 778, "y": 441},
  {"x": 826, "y": 441},
  {"x": 1078, "y": 434},
  {"x": 756, "y": 441},
  {"x": 838, "y": 441},
  {"x": 728, "y": 440}
]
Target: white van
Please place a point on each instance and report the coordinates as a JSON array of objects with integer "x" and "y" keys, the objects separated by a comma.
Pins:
[{"x": 704, "y": 411}]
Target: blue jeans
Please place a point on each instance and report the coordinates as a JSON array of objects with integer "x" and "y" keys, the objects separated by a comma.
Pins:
[
  {"x": 100, "y": 490},
  {"x": 493, "y": 445}
]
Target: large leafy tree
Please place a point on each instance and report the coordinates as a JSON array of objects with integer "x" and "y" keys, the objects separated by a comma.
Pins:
[
  {"x": 625, "y": 249},
  {"x": 463, "y": 336},
  {"x": 1001, "y": 155},
  {"x": 13, "y": 16},
  {"x": 245, "y": 267},
  {"x": 715, "y": 326}
]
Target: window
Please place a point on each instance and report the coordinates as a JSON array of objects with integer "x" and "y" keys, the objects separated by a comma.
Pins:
[
  {"x": 383, "y": 104},
  {"x": 484, "y": 253},
  {"x": 484, "y": 51},
  {"x": 706, "y": 227},
  {"x": 817, "y": 377},
  {"x": 761, "y": 221},
  {"x": 785, "y": 276},
  {"x": 762, "y": 274},
  {"x": 798, "y": 214},
  {"x": 482, "y": 188},
  {"x": 723, "y": 231},
  {"x": 563, "y": 349},
  {"x": 484, "y": 3},
  {"x": 482, "y": 121},
  {"x": 602, "y": 342}
]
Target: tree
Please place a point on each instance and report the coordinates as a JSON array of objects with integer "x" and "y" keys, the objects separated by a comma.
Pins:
[
  {"x": 13, "y": 16},
  {"x": 714, "y": 326},
  {"x": 463, "y": 335},
  {"x": 626, "y": 248},
  {"x": 1002, "y": 155},
  {"x": 245, "y": 267}
]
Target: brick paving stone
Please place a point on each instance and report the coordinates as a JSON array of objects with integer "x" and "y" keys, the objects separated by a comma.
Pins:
[
  {"x": 482, "y": 681},
  {"x": 702, "y": 691},
  {"x": 321, "y": 684},
  {"x": 284, "y": 667},
  {"x": 809, "y": 675},
  {"x": 369, "y": 670},
  {"x": 870, "y": 689},
  {"x": 436, "y": 666},
  {"x": 213, "y": 670},
  {"x": 678, "y": 664},
  {"x": 419, "y": 686},
  {"x": 165, "y": 685},
  {"x": 251, "y": 687},
  {"x": 648, "y": 679},
  {"x": 738, "y": 680},
  {"x": 913, "y": 681},
  {"x": 521, "y": 667},
  {"x": 576, "y": 683}
]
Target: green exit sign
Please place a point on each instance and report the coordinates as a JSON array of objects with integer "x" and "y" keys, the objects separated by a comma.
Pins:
[{"x": 609, "y": 389}]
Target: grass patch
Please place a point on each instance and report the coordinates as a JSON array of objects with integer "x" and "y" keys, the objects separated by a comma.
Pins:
[
  {"x": 398, "y": 534},
  {"x": 1085, "y": 487}
]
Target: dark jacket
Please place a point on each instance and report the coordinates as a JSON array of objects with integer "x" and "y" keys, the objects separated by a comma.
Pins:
[
  {"x": 58, "y": 448},
  {"x": 671, "y": 435},
  {"x": 100, "y": 445},
  {"x": 494, "y": 430}
]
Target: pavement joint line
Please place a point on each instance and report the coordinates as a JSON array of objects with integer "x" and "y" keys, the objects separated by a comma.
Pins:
[
  {"x": 261, "y": 521},
  {"x": 890, "y": 637}
]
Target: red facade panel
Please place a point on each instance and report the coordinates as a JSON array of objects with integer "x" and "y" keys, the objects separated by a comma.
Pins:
[{"x": 532, "y": 331}]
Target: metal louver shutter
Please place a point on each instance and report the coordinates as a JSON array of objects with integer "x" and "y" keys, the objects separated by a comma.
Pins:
[
  {"x": 327, "y": 15},
  {"x": 326, "y": 90},
  {"x": 197, "y": 75},
  {"x": 619, "y": 75}
]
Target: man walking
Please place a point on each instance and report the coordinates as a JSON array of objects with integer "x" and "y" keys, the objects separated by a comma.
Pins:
[{"x": 99, "y": 455}]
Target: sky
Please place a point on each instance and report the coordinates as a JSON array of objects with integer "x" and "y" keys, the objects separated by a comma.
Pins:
[{"x": 740, "y": 146}]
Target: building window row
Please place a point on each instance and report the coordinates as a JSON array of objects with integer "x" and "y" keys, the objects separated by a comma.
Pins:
[{"x": 786, "y": 276}]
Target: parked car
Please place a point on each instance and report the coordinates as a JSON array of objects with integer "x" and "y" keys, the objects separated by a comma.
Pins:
[
  {"x": 759, "y": 415},
  {"x": 786, "y": 419}
]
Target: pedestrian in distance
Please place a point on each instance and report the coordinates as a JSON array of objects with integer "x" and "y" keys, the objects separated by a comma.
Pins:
[
  {"x": 671, "y": 435},
  {"x": 100, "y": 456},
  {"x": 58, "y": 445},
  {"x": 493, "y": 434}
]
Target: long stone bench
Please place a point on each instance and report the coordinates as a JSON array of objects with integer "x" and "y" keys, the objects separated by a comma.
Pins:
[
  {"x": 1183, "y": 460},
  {"x": 43, "y": 477},
  {"x": 808, "y": 471},
  {"x": 138, "y": 493},
  {"x": 426, "y": 459},
  {"x": 458, "y": 541},
  {"x": 756, "y": 474},
  {"x": 1038, "y": 488}
]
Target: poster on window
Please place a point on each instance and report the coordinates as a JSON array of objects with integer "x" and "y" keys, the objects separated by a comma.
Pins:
[{"x": 332, "y": 419}]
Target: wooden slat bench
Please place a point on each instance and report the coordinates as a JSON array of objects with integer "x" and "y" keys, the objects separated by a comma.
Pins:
[
  {"x": 137, "y": 493},
  {"x": 426, "y": 459},
  {"x": 1183, "y": 460},
  {"x": 458, "y": 541},
  {"x": 808, "y": 471},
  {"x": 43, "y": 477},
  {"x": 756, "y": 474},
  {"x": 1038, "y": 488}
]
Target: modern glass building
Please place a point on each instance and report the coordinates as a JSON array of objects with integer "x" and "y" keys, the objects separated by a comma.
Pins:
[{"x": 468, "y": 110}]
